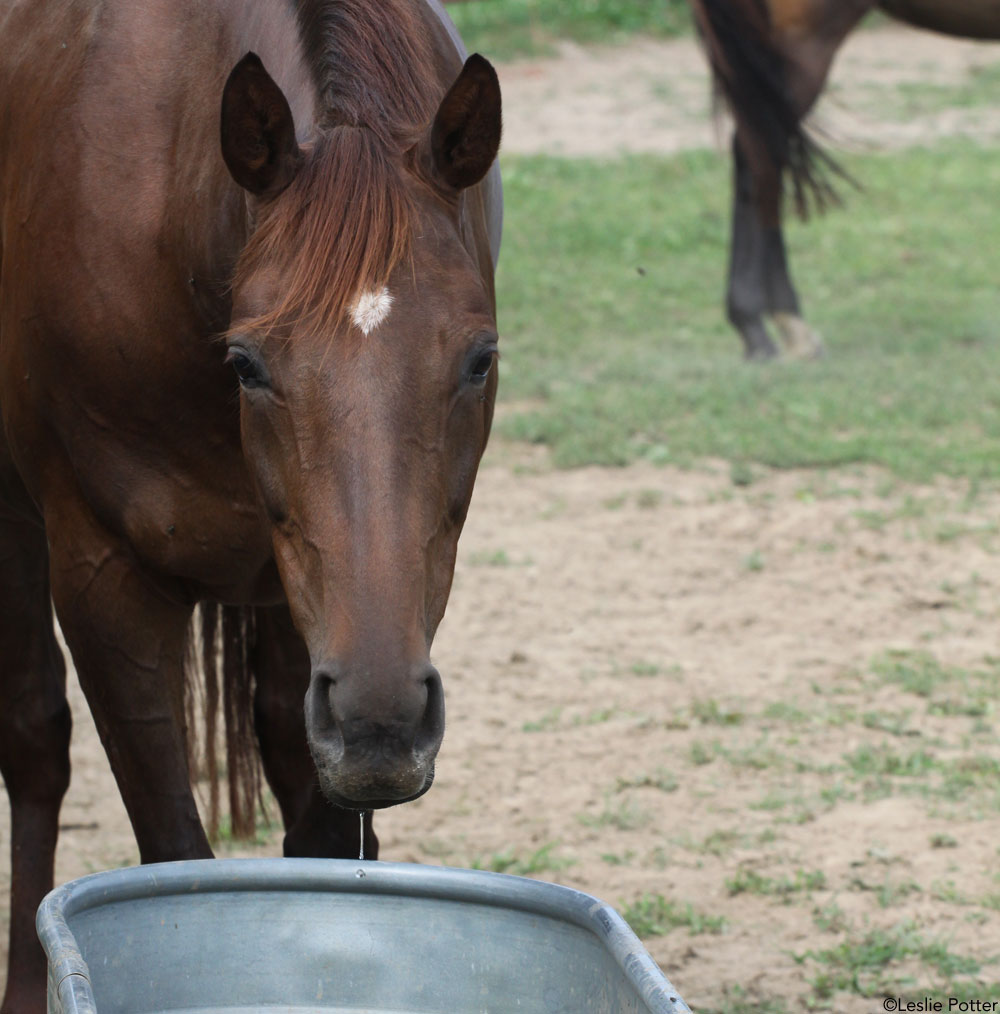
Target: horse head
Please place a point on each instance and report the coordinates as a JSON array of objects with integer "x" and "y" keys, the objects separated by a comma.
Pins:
[{"x": 364, "y": 340}]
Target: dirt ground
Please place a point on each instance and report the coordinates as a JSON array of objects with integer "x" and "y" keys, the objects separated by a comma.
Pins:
[
  {"x": 651, "y": 96},
  {"x": 692, "y": 684}
]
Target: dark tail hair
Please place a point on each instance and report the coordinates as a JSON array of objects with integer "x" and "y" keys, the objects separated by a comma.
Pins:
[
  {"x": 751, "y": 73},
  {"x": 219, "y": 658}
]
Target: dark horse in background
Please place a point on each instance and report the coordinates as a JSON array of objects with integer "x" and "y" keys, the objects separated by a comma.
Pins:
[
  {"x": 247, "y": 362},
  {"x": 770, "y": 60}
]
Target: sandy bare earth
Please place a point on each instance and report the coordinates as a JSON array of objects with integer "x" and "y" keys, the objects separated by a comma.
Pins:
[
  {"x": 662, "y": 682},
  {"x": 652, "y": 96}
]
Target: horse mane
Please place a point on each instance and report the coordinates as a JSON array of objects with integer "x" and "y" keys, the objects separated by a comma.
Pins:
[
  {"x": 371, "y": 61},
  {"x": 346, "y": 219}
]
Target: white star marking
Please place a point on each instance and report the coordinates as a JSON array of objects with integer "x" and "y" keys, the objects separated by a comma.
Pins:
[{"x": 371, "y": 309}]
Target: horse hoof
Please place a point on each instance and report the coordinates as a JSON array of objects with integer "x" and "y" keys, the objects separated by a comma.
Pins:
[
  {"x": 761, "y": 355},
  {"x": 799, "y": 340}
]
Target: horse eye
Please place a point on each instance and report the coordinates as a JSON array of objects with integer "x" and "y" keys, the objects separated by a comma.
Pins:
[
  {"x": 481, "y": 368},
  {"x": 247, "y": 370}
]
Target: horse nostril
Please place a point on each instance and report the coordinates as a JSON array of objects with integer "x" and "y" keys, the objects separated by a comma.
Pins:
[
  {"x": 431, "y": 728},
  {"x": 321, "y": 710}
]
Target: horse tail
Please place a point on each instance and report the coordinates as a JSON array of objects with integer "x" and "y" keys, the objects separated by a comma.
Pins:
[
  {"x": 751, "y": 73},
  {"x": 219, "y": 672}
]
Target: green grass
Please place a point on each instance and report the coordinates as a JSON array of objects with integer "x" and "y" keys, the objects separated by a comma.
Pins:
[
  {"x": 737, "y": 1001},
  {"x": 643, "y": 668},
  {"x": 783, "y": 711},
  {"x": 896, "y": 724},
  {"x": 951, "y": 691},
  {"x": 968, "y": 779},
  {"x": 748, "y": 881},
  {"x": 624, "y": 815},
  {"x": 616, "y": 348},
  {"x": 503, "y": 29},
  {"x": 870, "y": 761},
  {"x": 916, "y": 672},
  {"x": 661, "y": 779},
  {"x": 547, "y": 722},
  {"x": 710, "y": 712},
  {"x": 540, "y": 861},
  {"x": 718, "y": 843},
  {"x": 653, "y": 915},
  {"x": 876, "y": 964}
]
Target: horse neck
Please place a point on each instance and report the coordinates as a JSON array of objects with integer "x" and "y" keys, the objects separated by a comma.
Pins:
[{"x": 203, "y": 192}]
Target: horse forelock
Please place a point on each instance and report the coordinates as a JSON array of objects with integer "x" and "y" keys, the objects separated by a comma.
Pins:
[
  {"x": 346, "y": 220},
  {"x": 336, "y": 233}
]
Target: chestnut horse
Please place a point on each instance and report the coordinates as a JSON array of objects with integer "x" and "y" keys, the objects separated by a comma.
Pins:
[
  {"x": 770, "y": 60},
  {"x": 247, "y": 357}
]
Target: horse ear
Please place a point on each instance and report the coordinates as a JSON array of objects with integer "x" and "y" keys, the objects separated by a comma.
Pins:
[
  {"x": 258, "y": 132},
  {"x": 465, "y": 136}
]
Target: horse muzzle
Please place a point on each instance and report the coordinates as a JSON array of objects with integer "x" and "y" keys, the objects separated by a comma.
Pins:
[{"x": 374, "y": 741}]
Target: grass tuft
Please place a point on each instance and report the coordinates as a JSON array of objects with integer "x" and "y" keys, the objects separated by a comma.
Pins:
[
  {"x": 540, "y": 861},
  {"x": 653, "y": 915}
]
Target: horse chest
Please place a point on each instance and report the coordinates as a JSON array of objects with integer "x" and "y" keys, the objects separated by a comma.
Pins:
[{"x": 202, "y": 529}]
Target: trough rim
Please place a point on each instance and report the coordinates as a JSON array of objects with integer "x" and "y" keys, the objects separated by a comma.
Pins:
[{"x": 70, "y": 977}]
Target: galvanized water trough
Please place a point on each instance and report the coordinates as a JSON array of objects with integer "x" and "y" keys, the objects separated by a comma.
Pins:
[{"x": 324, "y": 936}]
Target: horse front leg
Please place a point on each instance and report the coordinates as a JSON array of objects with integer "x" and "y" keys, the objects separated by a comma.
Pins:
[
  {"x": 34, "y": 749},
  {"x": 314, "y": 827},
  {"x": 127, "y": 634}
]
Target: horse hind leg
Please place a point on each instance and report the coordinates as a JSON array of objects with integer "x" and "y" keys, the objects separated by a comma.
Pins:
[
  {"x": 781, "y": 302},
  {"x": 799, "y": 340},
  {"x": 760, "y": 284},
  {"x": 810, "y": 172},
  {"x": 746, "y": 296},
  {"x": 35, "y": 728}
]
